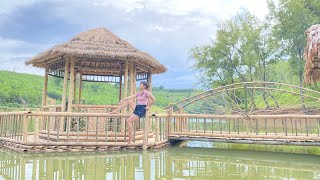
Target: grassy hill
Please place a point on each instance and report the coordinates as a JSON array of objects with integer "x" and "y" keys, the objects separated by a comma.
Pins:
[{"x": 18, "y": 90}]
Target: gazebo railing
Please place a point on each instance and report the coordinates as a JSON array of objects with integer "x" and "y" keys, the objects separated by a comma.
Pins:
[
  {"x": 77, "y": 129},
  {"x": 93, "y": 108},
  {"x": 52, "y": 108},
  {"x": 82, "y": 108},
  {"x": 103, "y": 129}
]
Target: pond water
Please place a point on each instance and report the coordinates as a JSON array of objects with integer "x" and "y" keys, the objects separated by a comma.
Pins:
[{"x": 170, "y": 163}]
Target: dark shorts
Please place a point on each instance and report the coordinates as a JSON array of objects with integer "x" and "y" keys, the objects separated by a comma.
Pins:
[{"x": 140, "y": 110}]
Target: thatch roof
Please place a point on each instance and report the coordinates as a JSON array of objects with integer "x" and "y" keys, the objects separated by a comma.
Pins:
[
  {"x": 98, "y": 45},
  {"x": 312, "y": 54}
]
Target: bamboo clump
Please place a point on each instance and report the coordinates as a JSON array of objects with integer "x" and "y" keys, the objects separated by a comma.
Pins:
[{"x": 312, "y": 54}]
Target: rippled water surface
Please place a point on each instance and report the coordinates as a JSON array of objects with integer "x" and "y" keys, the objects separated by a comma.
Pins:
[{"x": 170, "y": 163}]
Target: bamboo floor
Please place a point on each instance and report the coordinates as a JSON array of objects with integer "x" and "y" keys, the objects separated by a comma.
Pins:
[{"x": 80, "y": 143}]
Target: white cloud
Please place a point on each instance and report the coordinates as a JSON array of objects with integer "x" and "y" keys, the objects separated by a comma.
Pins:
[
  {"x": 15, "y": 48},
  {"x": 11, "y": 43},
  {"x": 219, "y": 8},
  {"x": 126, "y": 5},
  {"x": 181, "y": 79},
  {"x": 14, "y": 53},
  {"x": 165, "y": 28},
  {"x": 9, "y": 6},
  {"x": 257, "y": 7},
  {"x": 155, "y": 27}
]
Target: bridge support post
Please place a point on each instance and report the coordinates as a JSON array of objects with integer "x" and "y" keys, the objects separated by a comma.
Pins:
[
  {"x": 245, "y": 98},
  {"x": 157, "y": 130},
  {"x": 169, "y": 121}
]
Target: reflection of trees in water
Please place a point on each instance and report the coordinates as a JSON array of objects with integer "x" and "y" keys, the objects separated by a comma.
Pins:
[{"x": 186, "y": 163}]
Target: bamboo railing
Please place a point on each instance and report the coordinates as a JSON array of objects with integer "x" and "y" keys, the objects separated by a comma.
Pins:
[
  {"x": 83, "y": 131},
  {"x": 93, "y": 108},
  {"x": 77, "y": 129},
  {"x": 263, "y": 129},
  {"x": 81, "y": 108},
  {"x": 274, "y": 86}
]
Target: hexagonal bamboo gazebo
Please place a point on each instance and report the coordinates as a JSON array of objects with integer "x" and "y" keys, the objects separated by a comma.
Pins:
[{"x": 99, "y": 56}]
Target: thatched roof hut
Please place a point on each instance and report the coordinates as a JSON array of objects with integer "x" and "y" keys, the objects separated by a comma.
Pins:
[
  {"x": 312, "y": 54},
  {"x": 100, "y": 46},
  {"x": 96, "y": 55}
]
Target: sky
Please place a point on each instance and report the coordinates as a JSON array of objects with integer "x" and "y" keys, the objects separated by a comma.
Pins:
[{"x": 165, "y": 29}]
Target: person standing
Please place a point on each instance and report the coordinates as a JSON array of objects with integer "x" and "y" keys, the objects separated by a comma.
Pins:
[{"x": 144, "y": 100}]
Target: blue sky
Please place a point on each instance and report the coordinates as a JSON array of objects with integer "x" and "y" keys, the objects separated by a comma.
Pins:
[{"x": 166, "y": 29}]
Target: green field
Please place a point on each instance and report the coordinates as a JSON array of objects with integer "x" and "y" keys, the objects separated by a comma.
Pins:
[{"x": 19, "y": 90}]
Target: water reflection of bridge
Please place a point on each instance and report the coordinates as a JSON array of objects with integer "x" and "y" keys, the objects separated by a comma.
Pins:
[{"x": 185, "y": 163}]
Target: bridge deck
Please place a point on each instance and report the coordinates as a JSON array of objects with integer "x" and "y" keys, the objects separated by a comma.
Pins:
[{"x": 243, "y": 137}]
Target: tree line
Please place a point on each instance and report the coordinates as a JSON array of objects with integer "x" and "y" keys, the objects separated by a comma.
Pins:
[{"x": 246, "y": 48}]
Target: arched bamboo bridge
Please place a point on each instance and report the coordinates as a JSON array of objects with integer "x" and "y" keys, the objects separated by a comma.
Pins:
[{"x": 238, "y": 117}]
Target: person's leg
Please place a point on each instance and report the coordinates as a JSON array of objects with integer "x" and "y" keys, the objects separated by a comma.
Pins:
[
  {"x": 122, "y": 105},
  {"x": 129, "y": 121},
  {"x": 132, "y": 105}
]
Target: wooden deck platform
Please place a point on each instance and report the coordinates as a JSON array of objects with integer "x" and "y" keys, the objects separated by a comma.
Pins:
[{"x": 80, "y": 143}]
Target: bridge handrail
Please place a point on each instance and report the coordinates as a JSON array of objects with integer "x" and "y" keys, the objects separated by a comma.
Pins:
[
  {"x": 275, "y": 116},
  {"x": 226, "y": 87}
]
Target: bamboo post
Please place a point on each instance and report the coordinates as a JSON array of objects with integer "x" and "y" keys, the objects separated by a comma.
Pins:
[
  {"x": 170, "y": 125},
  {"x": 157, "y": 130},
  {"x": 36, "y": 129},
  {"x": 120, "y": 87},
  {"x": 126, "y": 68},
  {"x": 64, "y": 93},
  {"x": 145, "y": 131},
  {"x": 74, "y": 86},
  {"x": 134, "y": 78},
  {"x": 149, "y": 80},
  {"x": 65, "y": 85},
  {"x": 120, "y": 83},
  {"x": 134, "y": 87},
  {"x": 125, "y": 92},
  {"x": 131, "y": 83},
  {"x": 45, "y": 87},
  {"x": 150, "y": 86},
  {"x": 25, "y": 128},
  {"x": 71, "y": 88},
  {"x": 170, "y": 118},
  {"x": 179, "y": 121},
  {"x": 80, "y": 86},
  {"x": 245, "y": 98}
]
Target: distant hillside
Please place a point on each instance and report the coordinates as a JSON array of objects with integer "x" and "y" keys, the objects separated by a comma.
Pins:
[{"x": 19, "y": 90}]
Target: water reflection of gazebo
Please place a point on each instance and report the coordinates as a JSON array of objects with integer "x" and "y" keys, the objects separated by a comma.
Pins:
[{"x": 97, "y": 56}]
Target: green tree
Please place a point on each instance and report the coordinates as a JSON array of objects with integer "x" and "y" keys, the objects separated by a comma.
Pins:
[
  {"x": 241, "y": 51},
  {"x": 290, "y": 19}
]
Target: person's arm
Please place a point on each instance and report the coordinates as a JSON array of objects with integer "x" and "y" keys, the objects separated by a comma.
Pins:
[
  {"x": 152, "y": 100},
  {"x": 128, "y": 98}
]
